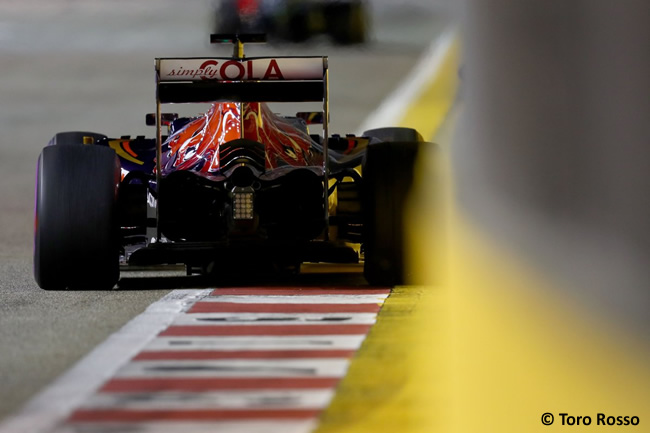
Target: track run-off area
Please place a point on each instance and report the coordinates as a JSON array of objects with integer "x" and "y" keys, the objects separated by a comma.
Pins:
[{"x": 232, "y": 360}]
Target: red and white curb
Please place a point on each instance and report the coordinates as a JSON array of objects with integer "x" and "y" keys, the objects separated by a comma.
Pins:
[{"x": 227, "y": 360}]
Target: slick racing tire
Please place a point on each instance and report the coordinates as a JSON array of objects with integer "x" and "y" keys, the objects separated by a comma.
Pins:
[
  {"x": 298, "y": 28},
  {"x": 394, "y": 134},
  {"x": 76, "y": 242},
  {"x": 74, "y": 138},
  {"x": 387, "y": 181},
  {"x": 347, "y": 22}
]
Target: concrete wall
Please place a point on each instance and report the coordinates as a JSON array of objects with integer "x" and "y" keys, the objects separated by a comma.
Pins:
[{"x": 553, "y": 150}]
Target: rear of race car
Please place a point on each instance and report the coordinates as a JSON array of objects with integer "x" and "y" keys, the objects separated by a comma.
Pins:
[
  {"x": 238, "y": 186},
  {"x": 240, "y": 183}
]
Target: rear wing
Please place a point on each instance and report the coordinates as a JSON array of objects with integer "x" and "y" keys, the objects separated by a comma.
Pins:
[
  {"x": 235, "y": 79},
  {"x": 261, "y": 79}
]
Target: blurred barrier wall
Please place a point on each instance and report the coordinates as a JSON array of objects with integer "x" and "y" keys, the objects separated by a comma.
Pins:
[
  {"x": 553, "y": 150},
  {"x": 550, "y": 232}
]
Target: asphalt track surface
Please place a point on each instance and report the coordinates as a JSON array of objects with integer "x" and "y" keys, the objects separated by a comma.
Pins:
[{"x": 70, "y": 65}]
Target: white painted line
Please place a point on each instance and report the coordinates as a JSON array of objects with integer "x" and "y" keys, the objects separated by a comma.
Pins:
[
  {"x": 303, "y": 299},
  {"x": 256, "y": 399},
  {"x": 274, "y": 318},
  {"x": 256, "y": 343},
  {"x": 75, "y": 386},
  {"x": 335, "y": 367},
  {"x": 264, "y": 426},
  {"x": 392, "y": 109}
]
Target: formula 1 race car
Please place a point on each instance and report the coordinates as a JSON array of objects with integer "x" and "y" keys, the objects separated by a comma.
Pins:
[
  {"x": 234, "y": 188},
  {"x": 344, "y": 21}
]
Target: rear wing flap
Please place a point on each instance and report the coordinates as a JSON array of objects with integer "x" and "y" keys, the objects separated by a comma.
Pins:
[{"x": 240, "y": 91}]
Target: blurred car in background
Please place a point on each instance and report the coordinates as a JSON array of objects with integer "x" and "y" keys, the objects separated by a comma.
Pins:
[{"x": 344, "y": 21}]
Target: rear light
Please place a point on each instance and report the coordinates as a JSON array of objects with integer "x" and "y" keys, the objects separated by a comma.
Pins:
[{"x": 242, "y": 203}]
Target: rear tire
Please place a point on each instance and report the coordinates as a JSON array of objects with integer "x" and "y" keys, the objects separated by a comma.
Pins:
[
  {"x": 74, "y": 138},
  {"x": 394, "y": 134},
  {"x": 347, "y": 22},
  {"x": 298, "y": 24},
  {"x": 76, "y": 235},
  {"x": 387, "y": 181}
]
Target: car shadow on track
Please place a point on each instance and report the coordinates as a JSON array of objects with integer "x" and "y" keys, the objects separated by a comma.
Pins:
[{"x": 311, "y": 278}]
